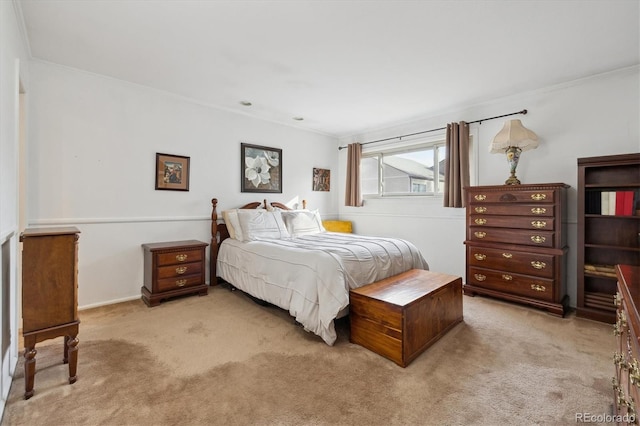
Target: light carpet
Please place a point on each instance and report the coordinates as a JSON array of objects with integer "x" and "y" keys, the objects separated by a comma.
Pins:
[{"x": 222, "y": 359}]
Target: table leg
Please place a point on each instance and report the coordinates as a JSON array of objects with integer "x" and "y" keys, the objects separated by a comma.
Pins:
[
  {"x": 29, "y": 370},
  {"x": 71, "y": 356}
]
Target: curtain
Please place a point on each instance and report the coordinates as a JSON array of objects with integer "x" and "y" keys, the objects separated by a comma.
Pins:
[
  {"x": 353, "y": 196},
  {"x": 456, "y": 171}
]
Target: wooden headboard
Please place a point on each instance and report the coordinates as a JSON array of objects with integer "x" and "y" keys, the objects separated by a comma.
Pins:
[{"x": 219, "y": 231}]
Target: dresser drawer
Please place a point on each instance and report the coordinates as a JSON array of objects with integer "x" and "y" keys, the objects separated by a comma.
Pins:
[
  {"x": 508, "y": 282},
  {"x": 538, "y": 210},
  {"x": 180, "y": 270},
  {"x": 181, "y": 256},
  {"x": 509, "y": 196},
  {"x": 520, "y": 222},
  {"x": 512, "y": 236},
  {"x": 540, "y": 265}
]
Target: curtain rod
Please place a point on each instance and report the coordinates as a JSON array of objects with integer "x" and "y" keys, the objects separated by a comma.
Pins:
[{"x": 524, "y": 111}]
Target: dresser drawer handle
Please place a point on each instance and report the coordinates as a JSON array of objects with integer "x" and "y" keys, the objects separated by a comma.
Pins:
[
  {"x": 181, "y": 270},
  {"x": 538, "y": 239},
  {"x": 481, "y": 209},
  {"x": 507, "y": 255},
  {"x": 538, "y": 210},
  {"x": 507, "y": 277},
  {"x": 480, "y": 256},
  {"x": 480, "y": 221},
  {"x": 538, "y": 197},
  {"x": 480, "y": 234},
  {"x": 617, "y": 300},
  {"x": 480, "y": 277},
  {"x": 480, "y": 197},
  {"x": 181, "y": 283},
  {"x": 538, "y": 224},
  {"x": 181, "y": 257},
  {"x": 538, "y": 287},
  {"x": 538, "y": 265}
]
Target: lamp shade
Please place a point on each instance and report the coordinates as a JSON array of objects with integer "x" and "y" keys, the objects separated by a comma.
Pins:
[{"x": 513, "y": 134}]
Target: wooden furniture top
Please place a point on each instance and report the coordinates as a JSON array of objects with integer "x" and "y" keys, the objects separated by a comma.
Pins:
[
  {"x": 406, "y": 288},
  {"x": 629, "y": 279},
  {"x": 172, "y": 244},
  {"x": 43, "y": 232}
]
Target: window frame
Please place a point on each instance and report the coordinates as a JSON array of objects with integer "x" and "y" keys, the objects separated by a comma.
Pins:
[{"x": 433, "y": 143}]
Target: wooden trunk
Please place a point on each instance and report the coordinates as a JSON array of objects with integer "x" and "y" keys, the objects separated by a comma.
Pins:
[{"x": 401, "y": 316}]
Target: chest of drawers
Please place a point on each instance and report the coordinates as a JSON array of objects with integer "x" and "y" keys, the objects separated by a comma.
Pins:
[
  {"x": 173, "y": 269},
  {"x": 626, "y": 358},
  {"x": 516, "y": 244}
]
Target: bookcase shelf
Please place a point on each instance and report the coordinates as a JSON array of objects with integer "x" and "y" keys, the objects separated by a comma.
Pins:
[{"x": 605, "y": 240}]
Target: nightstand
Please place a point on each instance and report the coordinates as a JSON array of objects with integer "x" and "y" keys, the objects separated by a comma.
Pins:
[{"x": 172, "y": 269}]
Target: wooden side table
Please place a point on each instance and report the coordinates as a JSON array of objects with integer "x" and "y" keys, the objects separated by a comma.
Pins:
[
  {"x": 172, "y": 269},
  {"x": 49, "y": 295}
]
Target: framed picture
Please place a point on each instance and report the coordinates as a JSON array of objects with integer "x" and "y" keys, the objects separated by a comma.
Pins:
[
  {"x": 321, "y": 179},
  {"x": 172, "y": 172},
  {"x": 260, "y": 169}
]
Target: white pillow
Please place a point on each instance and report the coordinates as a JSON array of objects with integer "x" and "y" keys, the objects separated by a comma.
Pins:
[
  {"x": 233, "y": 223},
  {"x": 302, "y": 222},
  {"x": 261, "y": 224}
]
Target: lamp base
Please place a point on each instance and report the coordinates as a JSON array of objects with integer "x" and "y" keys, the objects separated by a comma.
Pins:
[{"x": 513, "y": 180}]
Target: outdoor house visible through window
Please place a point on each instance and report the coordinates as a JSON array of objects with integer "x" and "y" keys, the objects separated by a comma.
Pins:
[{"x": 416, "y": 170}]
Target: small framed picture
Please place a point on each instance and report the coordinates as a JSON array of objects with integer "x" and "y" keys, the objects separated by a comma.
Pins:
[
  {"x": 321, "y": 179},
  {"x": 172, "y": 172},
  {"x": 260, "y": 169}
]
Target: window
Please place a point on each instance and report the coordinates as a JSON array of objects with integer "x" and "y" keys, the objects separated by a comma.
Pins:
[{"x": 416, "y": 170}]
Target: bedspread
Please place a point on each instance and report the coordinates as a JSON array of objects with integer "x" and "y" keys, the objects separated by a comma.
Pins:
[{"x": 310, "y": 276}]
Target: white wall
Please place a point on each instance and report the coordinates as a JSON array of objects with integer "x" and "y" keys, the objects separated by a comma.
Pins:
[
  {"x": 13, "y": 71},
  {"x": 91, "y": 163},
  {"x": 595, "y": 116}
]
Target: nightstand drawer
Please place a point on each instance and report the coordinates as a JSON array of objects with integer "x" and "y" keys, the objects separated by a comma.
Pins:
[
  {"x": 181, "y": 256},
  {"x": 176, "y": 271},
  {"x": 179, "y": 282}
]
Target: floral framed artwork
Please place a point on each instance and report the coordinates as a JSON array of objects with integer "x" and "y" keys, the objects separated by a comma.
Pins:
[
  {"x": 321, "y": 179},
  {"x": 261, "y": 169},
  {"x": 172, "y": 172}
]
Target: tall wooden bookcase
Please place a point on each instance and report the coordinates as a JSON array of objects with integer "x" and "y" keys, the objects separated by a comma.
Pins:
[{"x": 605, "y": 240}]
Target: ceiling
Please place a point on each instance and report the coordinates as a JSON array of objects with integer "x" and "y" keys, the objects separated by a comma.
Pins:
[{"x": 343, "y": 66}]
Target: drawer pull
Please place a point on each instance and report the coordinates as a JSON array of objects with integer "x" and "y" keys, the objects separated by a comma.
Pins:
[
  {"x": 538, "y": 210},
  {"x": 617, "y": 300},
  {"x": 181, "y": 270},
  {"x": 538, "y": 265},
  {"x": 507, "y": 277},
  {"x": 480, "y": 197},
  {"x": 481, "y": 209},
  {"x": 181, "y": 257},
  {"x": 538, "y": 239},
  {"x": 480, "y": 277},
  {"x": 181, "y": 283},
  {"x": 539, "y": 224},
  {"x": 538, "y": 197},
  {"x": 620, "y": 325},
  {"x": 507, "y": 255},
  {"x": 480, "y": 256},
  {"x": 481, "y": 221},
  {"x": 480, "y": 234},
  {"x": 538, "y": 287}
]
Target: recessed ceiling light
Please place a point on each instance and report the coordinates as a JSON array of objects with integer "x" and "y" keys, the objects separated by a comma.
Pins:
[
  {"x": 245, "y": 103},
  {"x": 298, "y": 118}
]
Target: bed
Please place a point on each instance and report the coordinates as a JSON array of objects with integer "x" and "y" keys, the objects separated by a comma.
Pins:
[{"x": 285, "y": 257}]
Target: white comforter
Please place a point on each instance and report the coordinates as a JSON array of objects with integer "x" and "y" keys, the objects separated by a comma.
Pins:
[{"x": 311, "y": 275}]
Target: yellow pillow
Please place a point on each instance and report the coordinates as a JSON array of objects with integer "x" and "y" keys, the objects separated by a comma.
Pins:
[{"x": 337, "y": 225}]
